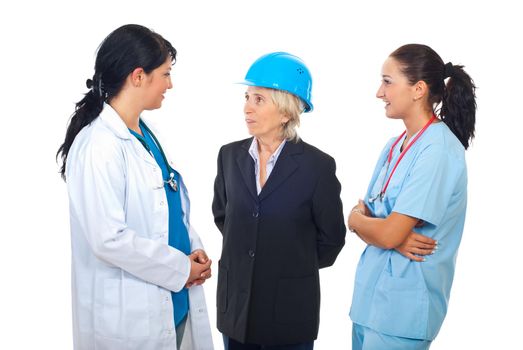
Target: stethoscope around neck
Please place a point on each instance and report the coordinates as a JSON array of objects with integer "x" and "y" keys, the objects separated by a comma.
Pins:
[
  {"x": 384, "y": 184},
  {"x": 170, "y": 181}
]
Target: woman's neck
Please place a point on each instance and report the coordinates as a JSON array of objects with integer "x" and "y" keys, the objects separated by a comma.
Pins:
[
  {"x": 127, "y": 110},
  {"x": 268, "y": 145},
  {"x": 415, "y": 121}
]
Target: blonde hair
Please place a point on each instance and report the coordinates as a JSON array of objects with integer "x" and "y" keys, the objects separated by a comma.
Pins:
[{"x": 290, "y": 106}]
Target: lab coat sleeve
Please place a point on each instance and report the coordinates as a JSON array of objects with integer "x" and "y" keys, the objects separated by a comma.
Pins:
[
  {"x": 194, "y": 239},
  {"x": 220, "y": 197},
  {"x": 97, "y": 190},
  {"x": 196, "y": 242},
  {"x": 328, "y": 215}
]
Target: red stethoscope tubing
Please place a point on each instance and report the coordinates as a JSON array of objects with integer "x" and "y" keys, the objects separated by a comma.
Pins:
[{"x": 382, "y": 193}]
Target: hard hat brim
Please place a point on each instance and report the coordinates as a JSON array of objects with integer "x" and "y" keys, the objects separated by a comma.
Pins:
[{"x": 308, "y": 106}]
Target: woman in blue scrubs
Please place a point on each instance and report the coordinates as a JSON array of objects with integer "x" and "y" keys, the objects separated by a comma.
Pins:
[{"x": 413, "y": 214}]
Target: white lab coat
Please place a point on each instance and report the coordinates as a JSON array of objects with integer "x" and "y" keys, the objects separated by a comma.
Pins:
[{"x": 123, "y": 269}]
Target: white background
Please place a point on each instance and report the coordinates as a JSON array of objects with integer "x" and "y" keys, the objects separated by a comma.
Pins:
[{"x": 47, "y": 53}]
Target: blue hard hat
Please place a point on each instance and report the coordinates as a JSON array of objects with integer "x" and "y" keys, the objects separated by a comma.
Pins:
[{"x": 282, "y": 71}]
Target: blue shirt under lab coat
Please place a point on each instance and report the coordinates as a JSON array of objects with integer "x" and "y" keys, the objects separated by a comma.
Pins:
[
  {"x": 178, "y": 235},
  {"x": 392, "y": 294}
]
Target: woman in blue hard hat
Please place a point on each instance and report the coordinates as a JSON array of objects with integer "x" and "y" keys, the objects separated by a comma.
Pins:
[
  {"x": 420, "y": 184},
  {"x": 277, "y": 204}
]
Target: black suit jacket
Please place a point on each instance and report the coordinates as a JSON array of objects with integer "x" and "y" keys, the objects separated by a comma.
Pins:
[{"x": 274, "y": 243}]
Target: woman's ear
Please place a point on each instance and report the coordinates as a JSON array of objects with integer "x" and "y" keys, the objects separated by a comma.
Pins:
[
  {"x": 137, "y": 76},
  {"x": 284, "y": 119},
  {"x": 420, "y": 89}
]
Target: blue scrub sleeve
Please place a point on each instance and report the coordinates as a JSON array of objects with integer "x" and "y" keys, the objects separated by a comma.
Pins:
[{"x": 429, "y": 185}]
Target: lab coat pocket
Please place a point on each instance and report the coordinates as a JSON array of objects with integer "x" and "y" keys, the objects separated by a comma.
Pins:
[
  {"x": 124, "y": 309},
  {"x": 297, "y": 299},
  {"x": 221, "y": 291},
  {"x": 136, "y": 305},
  {"x": 401, "y": 306}
]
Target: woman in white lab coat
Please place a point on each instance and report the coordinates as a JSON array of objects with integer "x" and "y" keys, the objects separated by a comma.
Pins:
[{"x": 137, "y": 264}]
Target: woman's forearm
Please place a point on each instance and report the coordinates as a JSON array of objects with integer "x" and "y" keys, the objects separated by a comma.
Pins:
[{"x": 386, "y": 233}]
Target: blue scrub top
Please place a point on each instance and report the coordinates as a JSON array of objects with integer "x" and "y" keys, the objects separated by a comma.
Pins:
[
  {"x": 178, "y": 234},
  {"x": 392, "y": 294}
]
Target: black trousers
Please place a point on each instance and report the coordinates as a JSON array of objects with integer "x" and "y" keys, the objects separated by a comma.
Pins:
[{"x": 231, "y": 344}]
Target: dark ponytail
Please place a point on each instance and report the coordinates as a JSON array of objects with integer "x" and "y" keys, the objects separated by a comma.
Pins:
[
  {"x": 457, "y": 97},
  {"x": 87, "y": 110},
  {"x": 125, "y": 49},
  {"x": 458, "y": 108}
]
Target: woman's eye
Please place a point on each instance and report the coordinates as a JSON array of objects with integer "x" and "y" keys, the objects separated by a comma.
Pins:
[{"x": 258, "y": 99}]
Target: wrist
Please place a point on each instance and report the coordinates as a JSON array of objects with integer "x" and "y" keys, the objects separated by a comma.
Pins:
[
  {"x": 354, "y": 211},
  {"x": 357, "y": 210}
]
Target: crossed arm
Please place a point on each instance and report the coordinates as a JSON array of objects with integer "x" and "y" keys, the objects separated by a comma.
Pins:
[{"x": 394, "y": 232}]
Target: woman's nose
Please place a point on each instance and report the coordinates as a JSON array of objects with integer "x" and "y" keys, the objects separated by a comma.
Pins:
[
  {"x": 247, "y": 107},
  {"x": 379, "y": 93}
]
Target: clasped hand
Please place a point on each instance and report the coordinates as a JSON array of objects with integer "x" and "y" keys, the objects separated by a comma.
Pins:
[{"x": 200, "y": 268}]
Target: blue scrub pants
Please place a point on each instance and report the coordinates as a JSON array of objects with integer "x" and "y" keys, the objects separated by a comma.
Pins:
[{"x": 364, "y": 338}]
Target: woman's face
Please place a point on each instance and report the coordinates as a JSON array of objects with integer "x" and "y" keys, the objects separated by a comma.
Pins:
[
  {"x": 395, "y": 90},
  {"x": 157, "y": 82},
  {"x": 261, "y": 114}
]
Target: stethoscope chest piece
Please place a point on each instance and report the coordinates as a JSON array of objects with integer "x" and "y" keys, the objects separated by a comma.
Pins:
[
  {"x": 379, "y": 197},
  {"x": 172, "y": 183}
]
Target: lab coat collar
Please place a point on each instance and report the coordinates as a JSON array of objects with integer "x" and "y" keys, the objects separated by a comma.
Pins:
[{"x": 114, "y": 122}]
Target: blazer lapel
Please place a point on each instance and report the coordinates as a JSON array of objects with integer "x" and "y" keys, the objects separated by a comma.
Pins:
[
  {"x": 246, "y": 165},
  {"x": 285, "y": 166}
]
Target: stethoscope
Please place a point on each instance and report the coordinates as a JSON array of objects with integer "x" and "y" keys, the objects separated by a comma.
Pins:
[
  {"x": 171, "y": 181},
  {"x": 389, "y": 158}
]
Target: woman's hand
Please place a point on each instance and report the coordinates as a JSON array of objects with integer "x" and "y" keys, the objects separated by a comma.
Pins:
[
  {"x": 200, "y": 256},
  {"x": 416, "y": 246},
  {"x": 200, "y": 268},
  {"x": 359, "y": 208}
]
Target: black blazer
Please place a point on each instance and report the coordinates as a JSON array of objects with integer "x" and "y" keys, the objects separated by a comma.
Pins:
[{"x": 275, "y": 242}]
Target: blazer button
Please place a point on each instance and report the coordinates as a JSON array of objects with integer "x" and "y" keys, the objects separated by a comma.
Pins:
[
  {"x": 255, "y": 214},
  {"x": 251, "y": 253}
]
